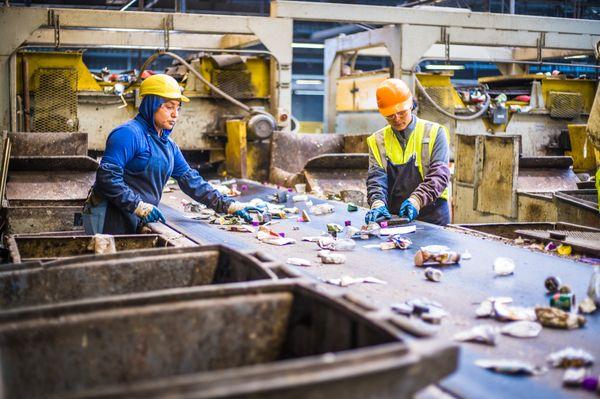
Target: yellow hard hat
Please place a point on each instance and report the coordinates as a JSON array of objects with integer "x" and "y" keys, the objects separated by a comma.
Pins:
[{"x": 163, "y": 86}]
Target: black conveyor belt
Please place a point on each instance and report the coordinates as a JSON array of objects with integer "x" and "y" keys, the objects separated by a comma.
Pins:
[{"x": 461, "y": 288}]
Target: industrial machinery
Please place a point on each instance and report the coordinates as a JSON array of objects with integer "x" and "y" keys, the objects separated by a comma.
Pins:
[{"x": 46, "y": 91}]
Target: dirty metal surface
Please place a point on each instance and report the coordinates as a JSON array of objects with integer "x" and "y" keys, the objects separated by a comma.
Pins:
[
  {"x": 33, "y": 219},
  {"x": 288, "y": 336},
  {"x": 536, "y": 180},
  {"x": 48, "y": 143},
  {"x": 586, "y": 242},
  {"x": 125, "y": 273},
  {"x": 462, "y": 287},
  {"x": 289, "y": 153},
  {"x": 42, "y": 188},
  {"x": 49, "y": 247},
  {"x": 509, "y": 230},
  {"x": 334, "y": 173}
]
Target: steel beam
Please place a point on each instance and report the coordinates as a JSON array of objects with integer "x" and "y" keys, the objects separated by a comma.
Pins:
[{"x": 440, "y": 16}]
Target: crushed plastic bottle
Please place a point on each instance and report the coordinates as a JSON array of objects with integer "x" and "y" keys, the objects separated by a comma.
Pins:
[{"x": 594, "y": 287}]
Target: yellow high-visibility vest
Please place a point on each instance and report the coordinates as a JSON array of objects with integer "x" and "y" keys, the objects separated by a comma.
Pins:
[{"x": 385, "y": 145}]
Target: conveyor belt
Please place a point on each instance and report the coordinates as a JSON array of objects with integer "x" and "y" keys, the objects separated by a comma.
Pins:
[{"x": 461, "y": 288}]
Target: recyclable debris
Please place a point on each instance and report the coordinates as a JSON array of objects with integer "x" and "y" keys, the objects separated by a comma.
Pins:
[
  {"x": 304, "y": 217},
  {"x": 574, "y": 377},
  {"x": 278, "y": 214},
  {"x": 396, "y": 241},
  {"x": 590, "y": 383},
  {"x": 564, "y": 249},
  {"x": 345, "y": 281},
  {"x": 522, "y": 329},
  {"x": 240, "y": 228},
  {"x": 279, "y": 197},
  {"x": 552, "y": 283},
  {"x": 482, "y": 334},
  {"x": 434, "y": 275},
  {"x": 499, "y": 309},
  {"x": 570, "y": 357},
  {"x": 321, "y": 209},
  {"x": 228, "y": 191},
  {"x": 225, "y": 220},
  {"x": 510, "y": 366},
  {"x": 564, "y": 301},
  {"x": 300, "y": 198},
  {"x": 300, "y": 188},
  {"x": 331, "y": 258},
  {"x": 334, "y": 228},
  {"x": 436, "y": 255},
  {"x": 299, "y": 262},
  {"x": 565, "y": 289},
  {"x": 260, "y": 217},
  {"x": 268, "y": 236},
  {"x": 594, "y": 286},
  {"x": 192, "y": 206},
  {"x": 486, "y": 308},
  {"x": 429, "y": 311},
  {"x": 557, "y": 318},
  {"x": 351, "y": 232},
  {"x": 291, "y": 211},
  {"x": 504, "y": 312},
  {"x": 550, "y": 247},
  {"x": 336, "y": 244},
  {"x": 466, "y": 255},
  {"x": 504, "y": 266},
  {"x": 587, "y": 306},
  {"x": 352, "y": 207}
]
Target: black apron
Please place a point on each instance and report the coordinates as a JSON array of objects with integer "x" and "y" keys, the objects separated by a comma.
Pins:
[{"x": 402, "y": 181}]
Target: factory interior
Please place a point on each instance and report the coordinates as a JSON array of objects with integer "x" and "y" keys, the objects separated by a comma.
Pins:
[{"x": 300, "y": 199}]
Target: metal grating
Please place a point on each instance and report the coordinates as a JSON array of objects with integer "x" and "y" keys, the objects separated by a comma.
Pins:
[
  {"x": 236, "y": 83},
  {"x": 55, "y": 100},
  {"x": 565, "y": 105},
  {"x": 442, "y": 95}
]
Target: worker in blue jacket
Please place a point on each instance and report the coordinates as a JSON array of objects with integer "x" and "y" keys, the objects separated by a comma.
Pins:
[{"x": 139, "y": 158}]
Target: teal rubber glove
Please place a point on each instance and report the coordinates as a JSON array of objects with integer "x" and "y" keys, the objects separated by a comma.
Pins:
[
  {"x": 408, "y": 210},
  {"x": 377, "y": 214},
  {"x": 245, "y": 213},
  {"x": 149, "y": 213}
]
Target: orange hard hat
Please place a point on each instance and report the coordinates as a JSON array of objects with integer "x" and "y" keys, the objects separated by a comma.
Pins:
[{"x": 393, "y": 95}]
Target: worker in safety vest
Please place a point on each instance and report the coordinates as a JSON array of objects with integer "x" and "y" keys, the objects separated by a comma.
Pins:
[
  {"x": 408, "y": 161},
  {"x": 139, "y": 158}
]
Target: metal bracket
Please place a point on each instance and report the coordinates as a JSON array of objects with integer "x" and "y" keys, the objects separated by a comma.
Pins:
[
  {"x": 54, "y": 22},
  {"x": 447, "y": 46},
  {"x": 167, "y": 27},
  {"x": 541, "y": 42}
]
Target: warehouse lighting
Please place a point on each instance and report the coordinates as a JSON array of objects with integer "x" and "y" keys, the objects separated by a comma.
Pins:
[
  {"x": 444, "y": 67},
  {"x": 308, "y": 92},
  {"x": 308, "y": 45},
  {"x": 309, "y": 81},
  {"x": 574, "y": 57}
]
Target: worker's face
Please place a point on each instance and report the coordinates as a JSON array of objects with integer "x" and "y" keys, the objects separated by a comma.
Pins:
[
  {"x": 399, "y": 120},
  {"x": 166, "y": 115}
]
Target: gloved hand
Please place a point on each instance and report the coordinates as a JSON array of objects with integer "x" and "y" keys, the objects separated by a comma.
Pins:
[
  {"x": 408, "y": 210},
  {"x": 376, "y": 214},
  {"x": 149, "y": 213},
  {"x": 243, "y": 210}
]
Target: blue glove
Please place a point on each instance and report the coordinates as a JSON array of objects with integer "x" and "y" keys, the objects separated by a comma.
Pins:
[
  {"x": 245, "y": 213},
  {"x": 376, "y": 214},
  {"x": 408, "y": 210},
  {"x": 154, "y": 216}
]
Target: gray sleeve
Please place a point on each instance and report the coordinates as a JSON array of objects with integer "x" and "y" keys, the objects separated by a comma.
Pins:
[
  {"x": 437, "y": 178},
  {"x": 441, "y": 148}
]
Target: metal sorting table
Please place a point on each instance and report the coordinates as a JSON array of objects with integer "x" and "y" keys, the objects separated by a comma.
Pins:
[{"x": 461, "y": 289}]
